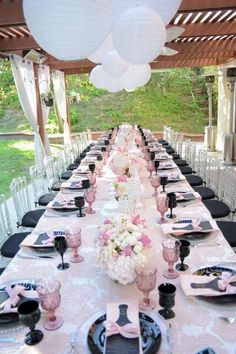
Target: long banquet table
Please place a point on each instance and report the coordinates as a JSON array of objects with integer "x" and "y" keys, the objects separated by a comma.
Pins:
[{"x": 86, "y": 289}]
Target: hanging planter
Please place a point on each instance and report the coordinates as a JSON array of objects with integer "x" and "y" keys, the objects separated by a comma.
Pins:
[{"x": 47, "y": 99}]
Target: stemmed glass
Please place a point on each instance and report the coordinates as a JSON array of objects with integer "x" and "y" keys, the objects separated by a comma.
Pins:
[
  {"x": 60, "y": 246},
  {"x": 85, "y": 183},
  {"x": 89, "y": 196},
  {"x": 150, "y": 167},
  {"x": 156, "y": 165},
  {"x": 91, "y": 167},
  {"x": 170, "y": 252},
  {"x": 167, "y": 300},
  {"x": 73, "y": 239},
  {"x": 162, "y": 202},
  {"x": 164, "y": 182},
  {"x": 146, "y": 282},
  {"x": 99, "y": 165},
  {"x": 184, "y": 252},
  {"x": 155, "y": 182},
  {"x": 50, "y": 298},
  {"x": 79, "y": 203},
  {"x": 172, "y": 204},
  {"x": 152, "y": 155},
  {"x": 30, "y": 315}
]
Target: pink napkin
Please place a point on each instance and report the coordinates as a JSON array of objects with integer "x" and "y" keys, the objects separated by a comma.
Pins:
[
  {"x": 180, "y": 196},
  {"x": 222, "y": 282},
  {"x": 14, "y": 296}
]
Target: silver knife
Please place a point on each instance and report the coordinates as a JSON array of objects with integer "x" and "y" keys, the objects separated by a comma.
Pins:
[
  {"x": 169, "y": 339},
  {"x": 9, "y": 340}
]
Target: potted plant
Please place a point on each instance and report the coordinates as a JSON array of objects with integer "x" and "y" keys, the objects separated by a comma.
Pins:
[{"x": 47, "y": 99}]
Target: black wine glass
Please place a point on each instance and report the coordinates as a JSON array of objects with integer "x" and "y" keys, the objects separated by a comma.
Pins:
[
  {"x": 92, "y": 167},
  {"x": 103, "y": 148},
  {"x": 164, "y": 182},
  {"x": 167, "y": 300},
  {"x": 99, "y": 157},
  {"x": 85, "y": 183},
  {"x": 172, "y": 204},
  {"x": 184, "y": 251},
  {"x": 30, "y": 315},
  {"x": 60, "y": 246},
  {"x": 79, "y": 203},
  {"x": 156, "y": 165},
  {"x": 152, "y": 155}
]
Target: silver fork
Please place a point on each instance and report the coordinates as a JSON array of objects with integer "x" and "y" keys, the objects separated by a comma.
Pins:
[{"x": 74, "y": 343}]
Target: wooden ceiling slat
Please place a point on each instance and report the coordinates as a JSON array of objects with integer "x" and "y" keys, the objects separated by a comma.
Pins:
[
  {"x": 208, "y": 29},
  {"x": 206, "y": 5}
]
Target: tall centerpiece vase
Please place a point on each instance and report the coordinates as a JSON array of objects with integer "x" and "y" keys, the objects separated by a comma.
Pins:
[{"x": 135, "y": 190}]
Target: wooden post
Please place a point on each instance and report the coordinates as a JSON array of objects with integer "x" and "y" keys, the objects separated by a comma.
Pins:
[
  {"x": 40, "y": 121},
  {"x": 67, "y": 106}
]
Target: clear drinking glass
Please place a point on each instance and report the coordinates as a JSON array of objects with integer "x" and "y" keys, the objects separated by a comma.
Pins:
[{"x": 170, "y": 252}]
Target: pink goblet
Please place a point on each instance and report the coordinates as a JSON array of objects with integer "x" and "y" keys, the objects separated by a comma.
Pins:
[
  {"x": 147, "y": 155},
  {"x": 162, "y": 203},
  {"x": 50, "y": 298},
  {"x": 150, "y": 167},
  {"x": 89, "y": 196},
  {"x": 146, "y": 282},
  {"x": 73, "y": 239},
  {"x": 155, "y": 182},
  {"x": 92, "y": 179},
  {"x": 170, "y": 254},
  {"x": 99, "y": 166}
]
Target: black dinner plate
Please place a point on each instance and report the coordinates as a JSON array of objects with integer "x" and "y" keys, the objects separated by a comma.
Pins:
[
  {"x": 150, "y": 335},
  {"x": 11, "y": 317},
  {"x": 65, "y": 210},
  {"x": 216, "y": 271},
  {"x": 192, "y": 236},
  {"x": 45, "y": 249}
]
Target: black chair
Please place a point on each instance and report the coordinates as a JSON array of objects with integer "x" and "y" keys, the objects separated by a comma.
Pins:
[
  {"x": 12, "y": 244},
  {"x": 205, "y": 192},
  {"x": 228, "y": 229},
  {"x": 170, "y": 150},
  {"x": 66, "y": 175},
  {"x": 217, "y": 208},
  {"x": 186, "y": 170},
  {"x": 41, "y": 195},
  {"x": 175, "y": 156},
  {"x": 180, "y": 162},
  {"x": 194, "y": 180}
]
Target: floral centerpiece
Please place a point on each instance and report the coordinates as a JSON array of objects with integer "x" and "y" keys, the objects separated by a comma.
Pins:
[
  {"x": 120, "y": 186},
  {"x": 127, "y": 162},
  {"x": 121, "y": 245}
]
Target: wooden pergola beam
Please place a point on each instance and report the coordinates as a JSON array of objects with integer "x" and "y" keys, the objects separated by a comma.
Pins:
[
  {"x": 204, "y": 46},
  {"x": 206, "y": 5},
  {"x": 18, "y": 43},
  {"x": 11, "y": 13},
  {"x": 209, "y": 29}
]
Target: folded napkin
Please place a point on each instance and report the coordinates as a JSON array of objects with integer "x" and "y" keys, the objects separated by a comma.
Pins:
[
  {"x": 163, "y": 157},
  {"x": 187, "y": 196},
  {"x": 122, "y": 329},
  {"x": 15, "y": 292},
  {"x": 61, "y": 203},
  {"x": 196, "y": 285},
  {"x": 72, "y": 184},
  {"x": 40, "y": 239},
  {"x": 191, "y": 225},
  {"x": 166, "y": 165},
  {"x": 175, "y": 177}
]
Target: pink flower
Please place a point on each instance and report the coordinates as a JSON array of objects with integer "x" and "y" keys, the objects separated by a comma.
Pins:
[
  {"x": 121, "y": 179},
  {"x": 127, "y": 252},
  {"x": 145, "y": 240},
  {"x": 136, "y": 220},
  {"x": 107, "y": 221},
  {"x": 105, "y": 236}
]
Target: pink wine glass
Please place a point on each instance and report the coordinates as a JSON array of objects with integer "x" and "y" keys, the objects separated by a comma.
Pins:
[
  {"x": 50, "y": 298},
  {"x": 150, "y": 167},
  {"x": 89, "y": 196},
  {"x": 99, "y": 167},
  {"x": 170, "y": 252},
  {"x": 155, "y": 182},
  {"x": 162, "y": 202},
  {"x": 92, "y": 179},
  {"x": 146, "y": 282},
  {"x": 73, "y": 239}
]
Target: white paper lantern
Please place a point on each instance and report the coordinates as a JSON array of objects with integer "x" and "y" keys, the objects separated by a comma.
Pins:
[
  {"x": 102, "y": 80},
  {"x": 114, "y": 65},
  {"x": 139, "y": 35},
  {"x": 71, "y": 29},
  {"x": 98, "y": 55},
  {"x": 166, "y": 9},
  {"x": 135, "y": 76}
]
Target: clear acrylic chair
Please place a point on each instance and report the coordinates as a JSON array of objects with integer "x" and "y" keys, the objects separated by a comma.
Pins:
[
  {"x": 9, "y": 241},
  {"x": 40, "y": 187},
  {"x": 26, "y": 215},
  {"x": 52, "y": 174}
]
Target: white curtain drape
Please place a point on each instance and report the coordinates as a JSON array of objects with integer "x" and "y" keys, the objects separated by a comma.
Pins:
[
  {"x": 23, "y": 72},
  {"x": 60, "y": 101},
  {"x": 44, "y": 87}
]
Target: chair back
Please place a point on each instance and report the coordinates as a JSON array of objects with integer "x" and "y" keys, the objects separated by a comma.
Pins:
[
  {"x": 38, "y": 182},
  {"x": 67, "y": 155},
  {"x": 5, "y": 223},
  {"x": 20, "y": 195},
  {"x": 227, "y": 190},
  {"x": 213, "y": 174}
]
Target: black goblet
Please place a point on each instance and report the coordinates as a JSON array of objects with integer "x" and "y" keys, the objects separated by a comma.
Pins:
[
  {"x": 167, "y": 300},
  {"x": 30, "y": 315},
  {"x": 184, "y": 251},
  {"x": 172, "y": 204},
  {"x": 152, "y": 155},
  {"x": 79, "y": 202},
  {"x": 163, "y": 182},
  {"x": 85, "y": 183},
  {"x": 156, "y": 165},
  {"x": 103, "y": 148},
  {"x": 60, "y": 246},
  {"x": 92, "y": 167},
  {"x": 106, "y": 142},
  {"x": 99, "y": 157}
]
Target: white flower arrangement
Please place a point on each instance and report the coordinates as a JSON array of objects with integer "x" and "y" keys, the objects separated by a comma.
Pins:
[
  {"x": 127, "y": 162},
  {"x": 121, "y": 245},
  {"x": 120, "y": 186}
]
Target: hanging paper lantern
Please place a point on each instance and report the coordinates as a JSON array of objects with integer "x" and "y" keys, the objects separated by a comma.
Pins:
[
  {"x": 139, "y": 35},
  {"x": 166, "y": 9},
  {"x": 71, "y": 29},
  {"x": 107, "y": 46},
  {"x": 102, "y": 80},
  {"x": 114, "y": 65},
  {"x": 135, "y": 76}
]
